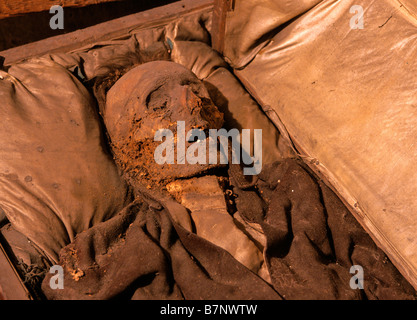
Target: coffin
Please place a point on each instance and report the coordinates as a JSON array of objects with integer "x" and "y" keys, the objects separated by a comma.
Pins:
[{"x": 330, "y": 82}]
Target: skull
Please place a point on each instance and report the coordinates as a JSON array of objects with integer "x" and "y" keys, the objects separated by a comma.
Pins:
[{"x": 152, "y": 96}]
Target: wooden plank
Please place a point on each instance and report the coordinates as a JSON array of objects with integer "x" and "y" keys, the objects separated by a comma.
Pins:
[
  {"x": 106, "y": 31},
  {"x": 11, "y": 285},
  {"x": 10, "y": 8},
  {"x": 221, "y": 7}
]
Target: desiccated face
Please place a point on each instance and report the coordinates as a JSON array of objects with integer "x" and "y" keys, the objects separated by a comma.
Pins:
[{"x": 153, "y": 96}]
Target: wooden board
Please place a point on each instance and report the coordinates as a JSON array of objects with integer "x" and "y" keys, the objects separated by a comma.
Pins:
[
  {"x": 105, "y": 31},
  {"x": 11, "y": 285},
  {"x": 221, "y": 7},
  {"x": 10, "y": 8}
]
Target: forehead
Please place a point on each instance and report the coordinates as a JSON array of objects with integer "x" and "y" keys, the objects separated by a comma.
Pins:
[
  {"x": 145, "y": 78},
  {"x": 155, "y": 73},
  {"x": 145, "y": 86}
]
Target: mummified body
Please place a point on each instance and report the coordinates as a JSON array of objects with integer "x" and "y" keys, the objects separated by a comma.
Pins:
[{"x": 156, "y": 95}]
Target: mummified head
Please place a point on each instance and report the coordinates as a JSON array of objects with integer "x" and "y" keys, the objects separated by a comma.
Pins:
[{"x": 152, "y": 96}]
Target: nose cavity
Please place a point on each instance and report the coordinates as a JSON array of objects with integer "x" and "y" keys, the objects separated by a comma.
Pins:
[
  {"x": 193, "y": 105},
  {"x": 189, "y": 99}
]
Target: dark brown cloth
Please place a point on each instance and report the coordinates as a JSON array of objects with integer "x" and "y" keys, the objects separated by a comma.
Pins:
[
  {"x": 142, "y": 254},
  {"x": 312, "y": 241}
]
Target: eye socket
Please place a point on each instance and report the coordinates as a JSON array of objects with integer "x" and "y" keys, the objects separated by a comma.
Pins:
[
  {"x": 157, "y": 104},
  {"x": 157, "y": 100}
]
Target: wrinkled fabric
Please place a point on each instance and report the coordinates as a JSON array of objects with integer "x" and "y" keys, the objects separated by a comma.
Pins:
[
  {"x": 346, "y": 98},
  {"x": 53, "y": 157},
  {"x": 142, "y": 254},
  {"x": 251, "y": 25}
]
